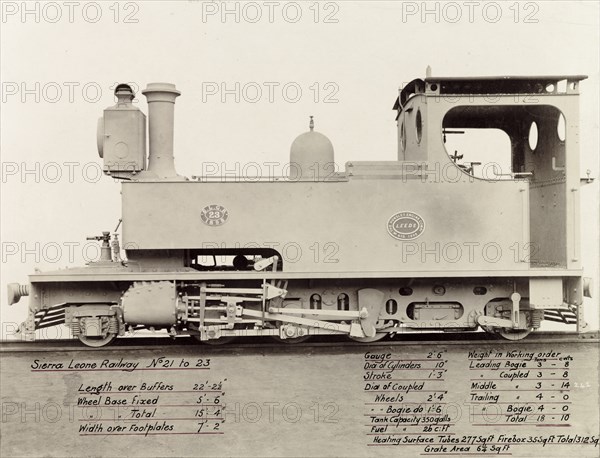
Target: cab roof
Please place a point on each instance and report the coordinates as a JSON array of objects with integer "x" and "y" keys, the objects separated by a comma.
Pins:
[{"x": 483, "y": 85}]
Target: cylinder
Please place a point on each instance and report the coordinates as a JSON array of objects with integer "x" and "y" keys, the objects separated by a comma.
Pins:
[
  {"x": 161, "y": 109},
  {"x": 150, "y": 303}
]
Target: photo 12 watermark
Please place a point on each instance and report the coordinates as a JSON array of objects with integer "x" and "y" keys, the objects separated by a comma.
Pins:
[
  {"x": 470, "y": 12},
  {"x": 51, "y": 172},
  {"x": 57, "y": 92},
  {"x": 269, "y": 92},
  {"x": 69, "y": 12},
  {"x": 269, "y": 12}
]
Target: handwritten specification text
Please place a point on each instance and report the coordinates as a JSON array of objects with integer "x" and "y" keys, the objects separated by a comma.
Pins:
[
  {"x": 143, "y": 397},
  {"x": 493, "y": 402}
]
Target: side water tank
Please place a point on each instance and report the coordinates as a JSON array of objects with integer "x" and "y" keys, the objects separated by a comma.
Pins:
[
  {"x": 122, "y": 134},
  {"x": 311, "y": 157}
]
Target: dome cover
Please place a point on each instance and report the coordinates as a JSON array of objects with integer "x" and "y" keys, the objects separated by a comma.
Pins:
[{"x": 311, "y": 157}]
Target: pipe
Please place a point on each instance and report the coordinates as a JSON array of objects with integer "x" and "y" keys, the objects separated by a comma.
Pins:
[{"x": 161, "y": 109}]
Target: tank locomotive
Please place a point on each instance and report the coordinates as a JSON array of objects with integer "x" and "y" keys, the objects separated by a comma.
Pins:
[{"x": 420, "y": 243}]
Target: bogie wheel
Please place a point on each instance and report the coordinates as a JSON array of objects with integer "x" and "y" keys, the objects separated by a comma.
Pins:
[
  {"x": 501, "y": 309},
  {"x": 96, "y": 342},
  {"x": 513, "y": 334}
]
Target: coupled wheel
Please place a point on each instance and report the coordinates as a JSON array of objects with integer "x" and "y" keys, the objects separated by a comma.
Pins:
[
  {"x": 375, "y": 338},
  {"x": 195, "y": 334},
  {"x": 96, "y": 342},
  {"x": 292, "y": 340},
  {"x": 219, "y": 341},
  {"x": 378, "y": 334},
  {"x": 289, "y": 340}
]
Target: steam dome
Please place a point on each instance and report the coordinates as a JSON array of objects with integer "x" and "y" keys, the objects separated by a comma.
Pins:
[{"x": 311, "y": 156}]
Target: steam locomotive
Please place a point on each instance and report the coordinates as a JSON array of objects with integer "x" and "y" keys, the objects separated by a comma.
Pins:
[{"x": 420, "y": 243}]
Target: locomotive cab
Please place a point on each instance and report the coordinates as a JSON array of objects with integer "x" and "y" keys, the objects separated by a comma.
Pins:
[{"x": 538, "y": 118}]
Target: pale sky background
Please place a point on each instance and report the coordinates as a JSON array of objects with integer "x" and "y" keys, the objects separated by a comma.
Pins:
[{"x": 365, "y": 57}]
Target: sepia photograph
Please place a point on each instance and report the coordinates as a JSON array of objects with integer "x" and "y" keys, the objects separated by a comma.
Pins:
[{"x": 300, "y": 228}]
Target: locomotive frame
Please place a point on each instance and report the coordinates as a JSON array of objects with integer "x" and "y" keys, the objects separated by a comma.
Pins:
[{"x": 392, "y": 218}]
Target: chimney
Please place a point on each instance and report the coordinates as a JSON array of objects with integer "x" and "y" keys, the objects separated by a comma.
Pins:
[{"x": 161, "y": 108}]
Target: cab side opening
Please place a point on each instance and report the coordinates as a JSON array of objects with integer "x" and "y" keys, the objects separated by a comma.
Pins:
[{"x": 535, "y": 154}]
